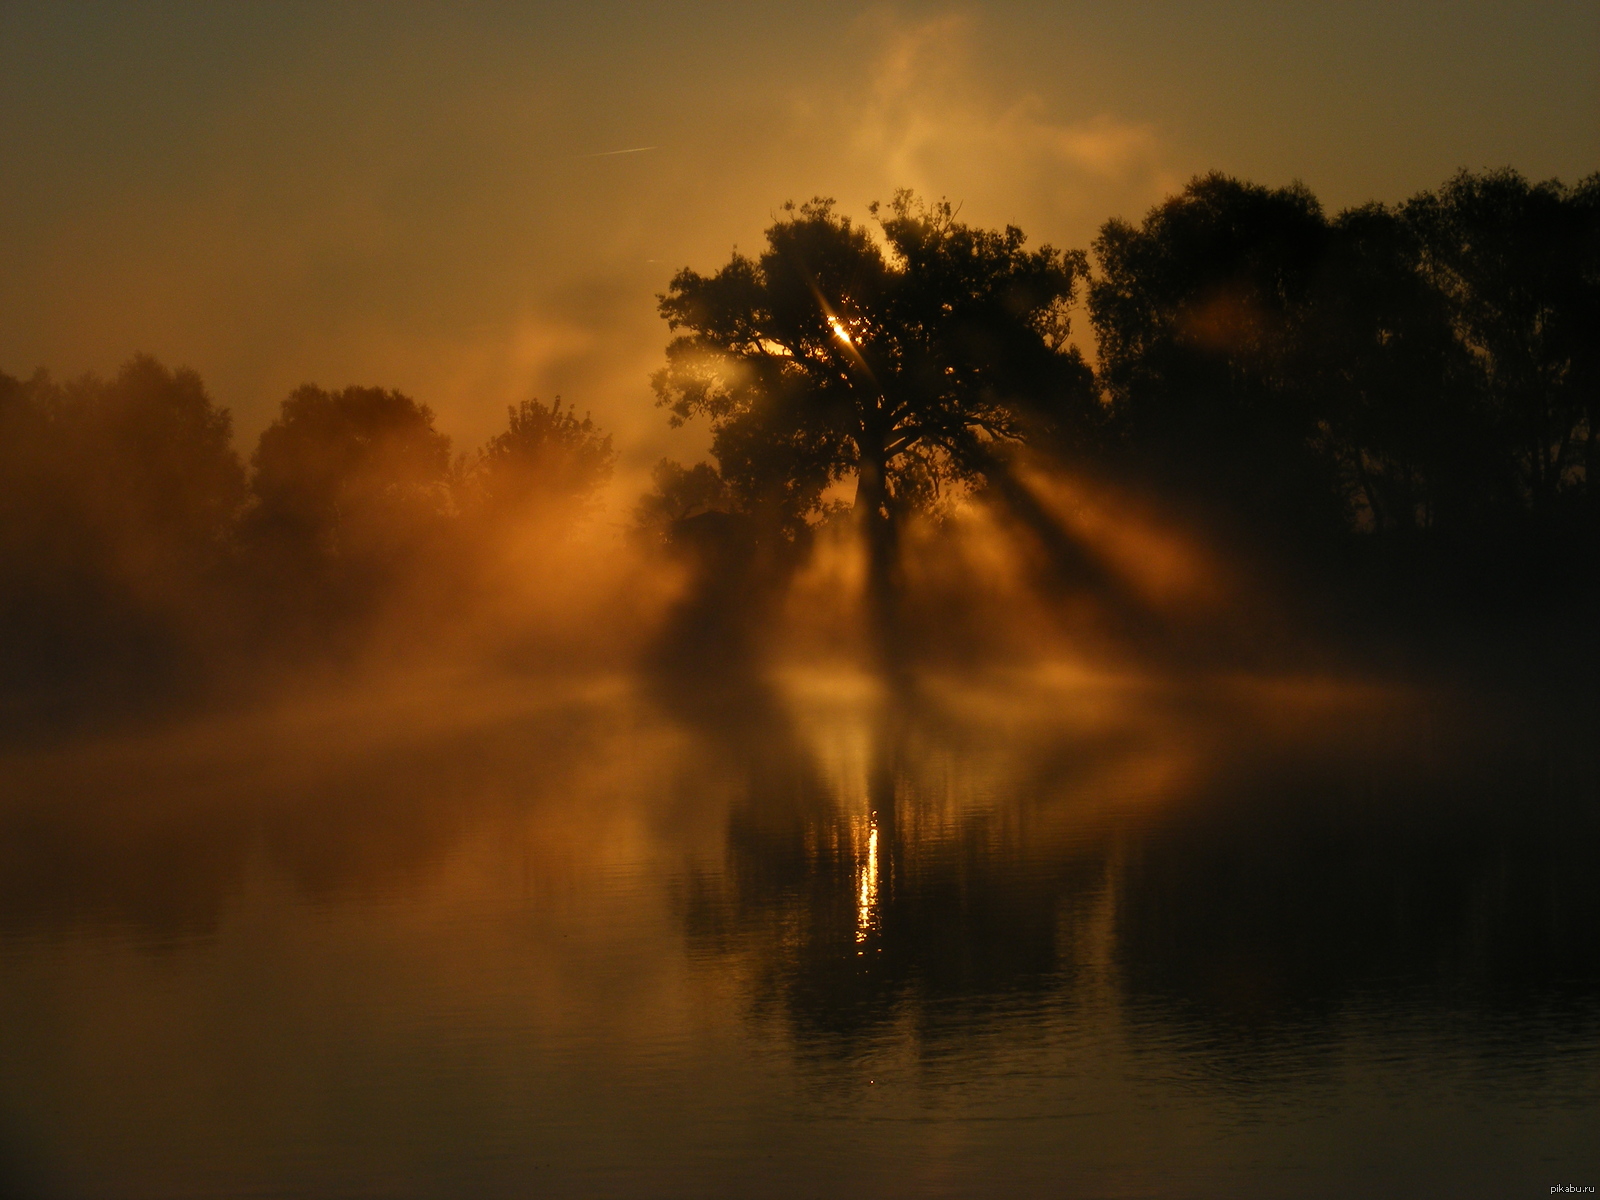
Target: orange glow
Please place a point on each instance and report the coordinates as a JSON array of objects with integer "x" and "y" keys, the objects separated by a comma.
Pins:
[
  {"x": 867, "y": 898},
  {"x": 1166, "y": 568}
]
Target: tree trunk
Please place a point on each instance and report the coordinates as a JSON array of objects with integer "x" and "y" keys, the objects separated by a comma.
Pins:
[{"x": 876, "y": 522}]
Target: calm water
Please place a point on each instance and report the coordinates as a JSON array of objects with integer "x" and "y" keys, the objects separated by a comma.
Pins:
[{"x": 1044, "y": 936}]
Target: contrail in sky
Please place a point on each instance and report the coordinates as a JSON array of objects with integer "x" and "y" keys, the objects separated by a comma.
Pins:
[{"x": 610, "y": 153}]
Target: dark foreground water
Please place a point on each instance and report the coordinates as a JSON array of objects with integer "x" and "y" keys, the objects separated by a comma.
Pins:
[{"x": 1046, "y": 936}]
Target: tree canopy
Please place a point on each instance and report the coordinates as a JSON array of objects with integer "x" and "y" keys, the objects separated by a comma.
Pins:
[
  {"x": 1199, "y": 313},
  {"x": 1430, "y": 366},
  {"x": 1518, "y": 265},
  {"x": 118, "y": 500},
  {"x": 902, "y": 361},
  {"x": 1397, "y": 405},
  {"x": 345, "y": 474}
]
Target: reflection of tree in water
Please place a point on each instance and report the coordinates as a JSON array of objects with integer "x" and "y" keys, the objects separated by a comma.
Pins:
[
  {"x": 1245, "y": 923},
  {"x": 1295, "y": 897},
  {"x": 852, "y": 913}
]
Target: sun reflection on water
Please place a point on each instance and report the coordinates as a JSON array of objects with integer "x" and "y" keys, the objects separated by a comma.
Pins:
[{"x": 867, "y": 895}]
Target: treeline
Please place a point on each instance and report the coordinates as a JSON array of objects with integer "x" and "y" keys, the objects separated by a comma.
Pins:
[
  {"x": 140, "y": 557},
  {"x": 1418, "y": 385},
  {"x": 1395, "y": 405}
]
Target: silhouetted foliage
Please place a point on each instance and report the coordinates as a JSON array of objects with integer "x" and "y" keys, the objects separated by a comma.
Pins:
[
  {"x": 679, "y": 494},
  {"x": 1416, "y": 384},
  {"x": 1392, "y": 386},
  {"x": 339, "y": 470},
  {"x": 1397, "y": 402},
  {"x": 350, "y": 487},
  {"x": 833, "y": 355},
  {"x": 136, "y": 556},
  {"x": 1199, "y": 313},
  {"x": 906, "y": 364},
  {"x": 1519, "y": 266}
]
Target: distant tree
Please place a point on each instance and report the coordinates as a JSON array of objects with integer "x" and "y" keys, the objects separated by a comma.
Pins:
[
  {"x": 905, "y": 364},
  {"x": 546, "y": 456},
  {"x": 117, "y": 503},
  {"x": 34, "y": 475},
  {"x": 348, "y": 487},
  {"x": 135, "y": 475},
  {"x": 165, "y": 453}
]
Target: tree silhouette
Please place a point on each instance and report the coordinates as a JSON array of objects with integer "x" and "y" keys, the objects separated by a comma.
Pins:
[
  {"x": 1391, "y": 384},
  {"x": 1200, "y": 313},
  {"x": 350, "y": 487},
  {"x": 166, "y": 457},
  {"x": 333, "y": 459},
  {"x": 1398, "y": 403},
  {"x": 1519, "y": 264},
  {"x": 903, "y": 363},
  {"x": 1422, "y": 369}
]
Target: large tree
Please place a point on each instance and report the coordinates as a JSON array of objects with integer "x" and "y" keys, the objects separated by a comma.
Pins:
[
  {"x": 1201, "y": 313},
  {"x": 903, "y": 358},
  {"x": 1519, "y": 265}
]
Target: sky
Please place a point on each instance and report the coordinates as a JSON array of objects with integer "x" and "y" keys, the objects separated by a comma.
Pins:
[{"x": 432, "y": 198}]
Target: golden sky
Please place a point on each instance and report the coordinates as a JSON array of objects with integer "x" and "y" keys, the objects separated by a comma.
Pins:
[{"x": 425, "y": 197}]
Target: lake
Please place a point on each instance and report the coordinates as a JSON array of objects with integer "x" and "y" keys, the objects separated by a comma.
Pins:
[{"x": 1046, "y": 933}]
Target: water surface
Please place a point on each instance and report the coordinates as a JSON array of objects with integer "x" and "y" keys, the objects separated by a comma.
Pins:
[{"x": 1051, "y": 934}]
